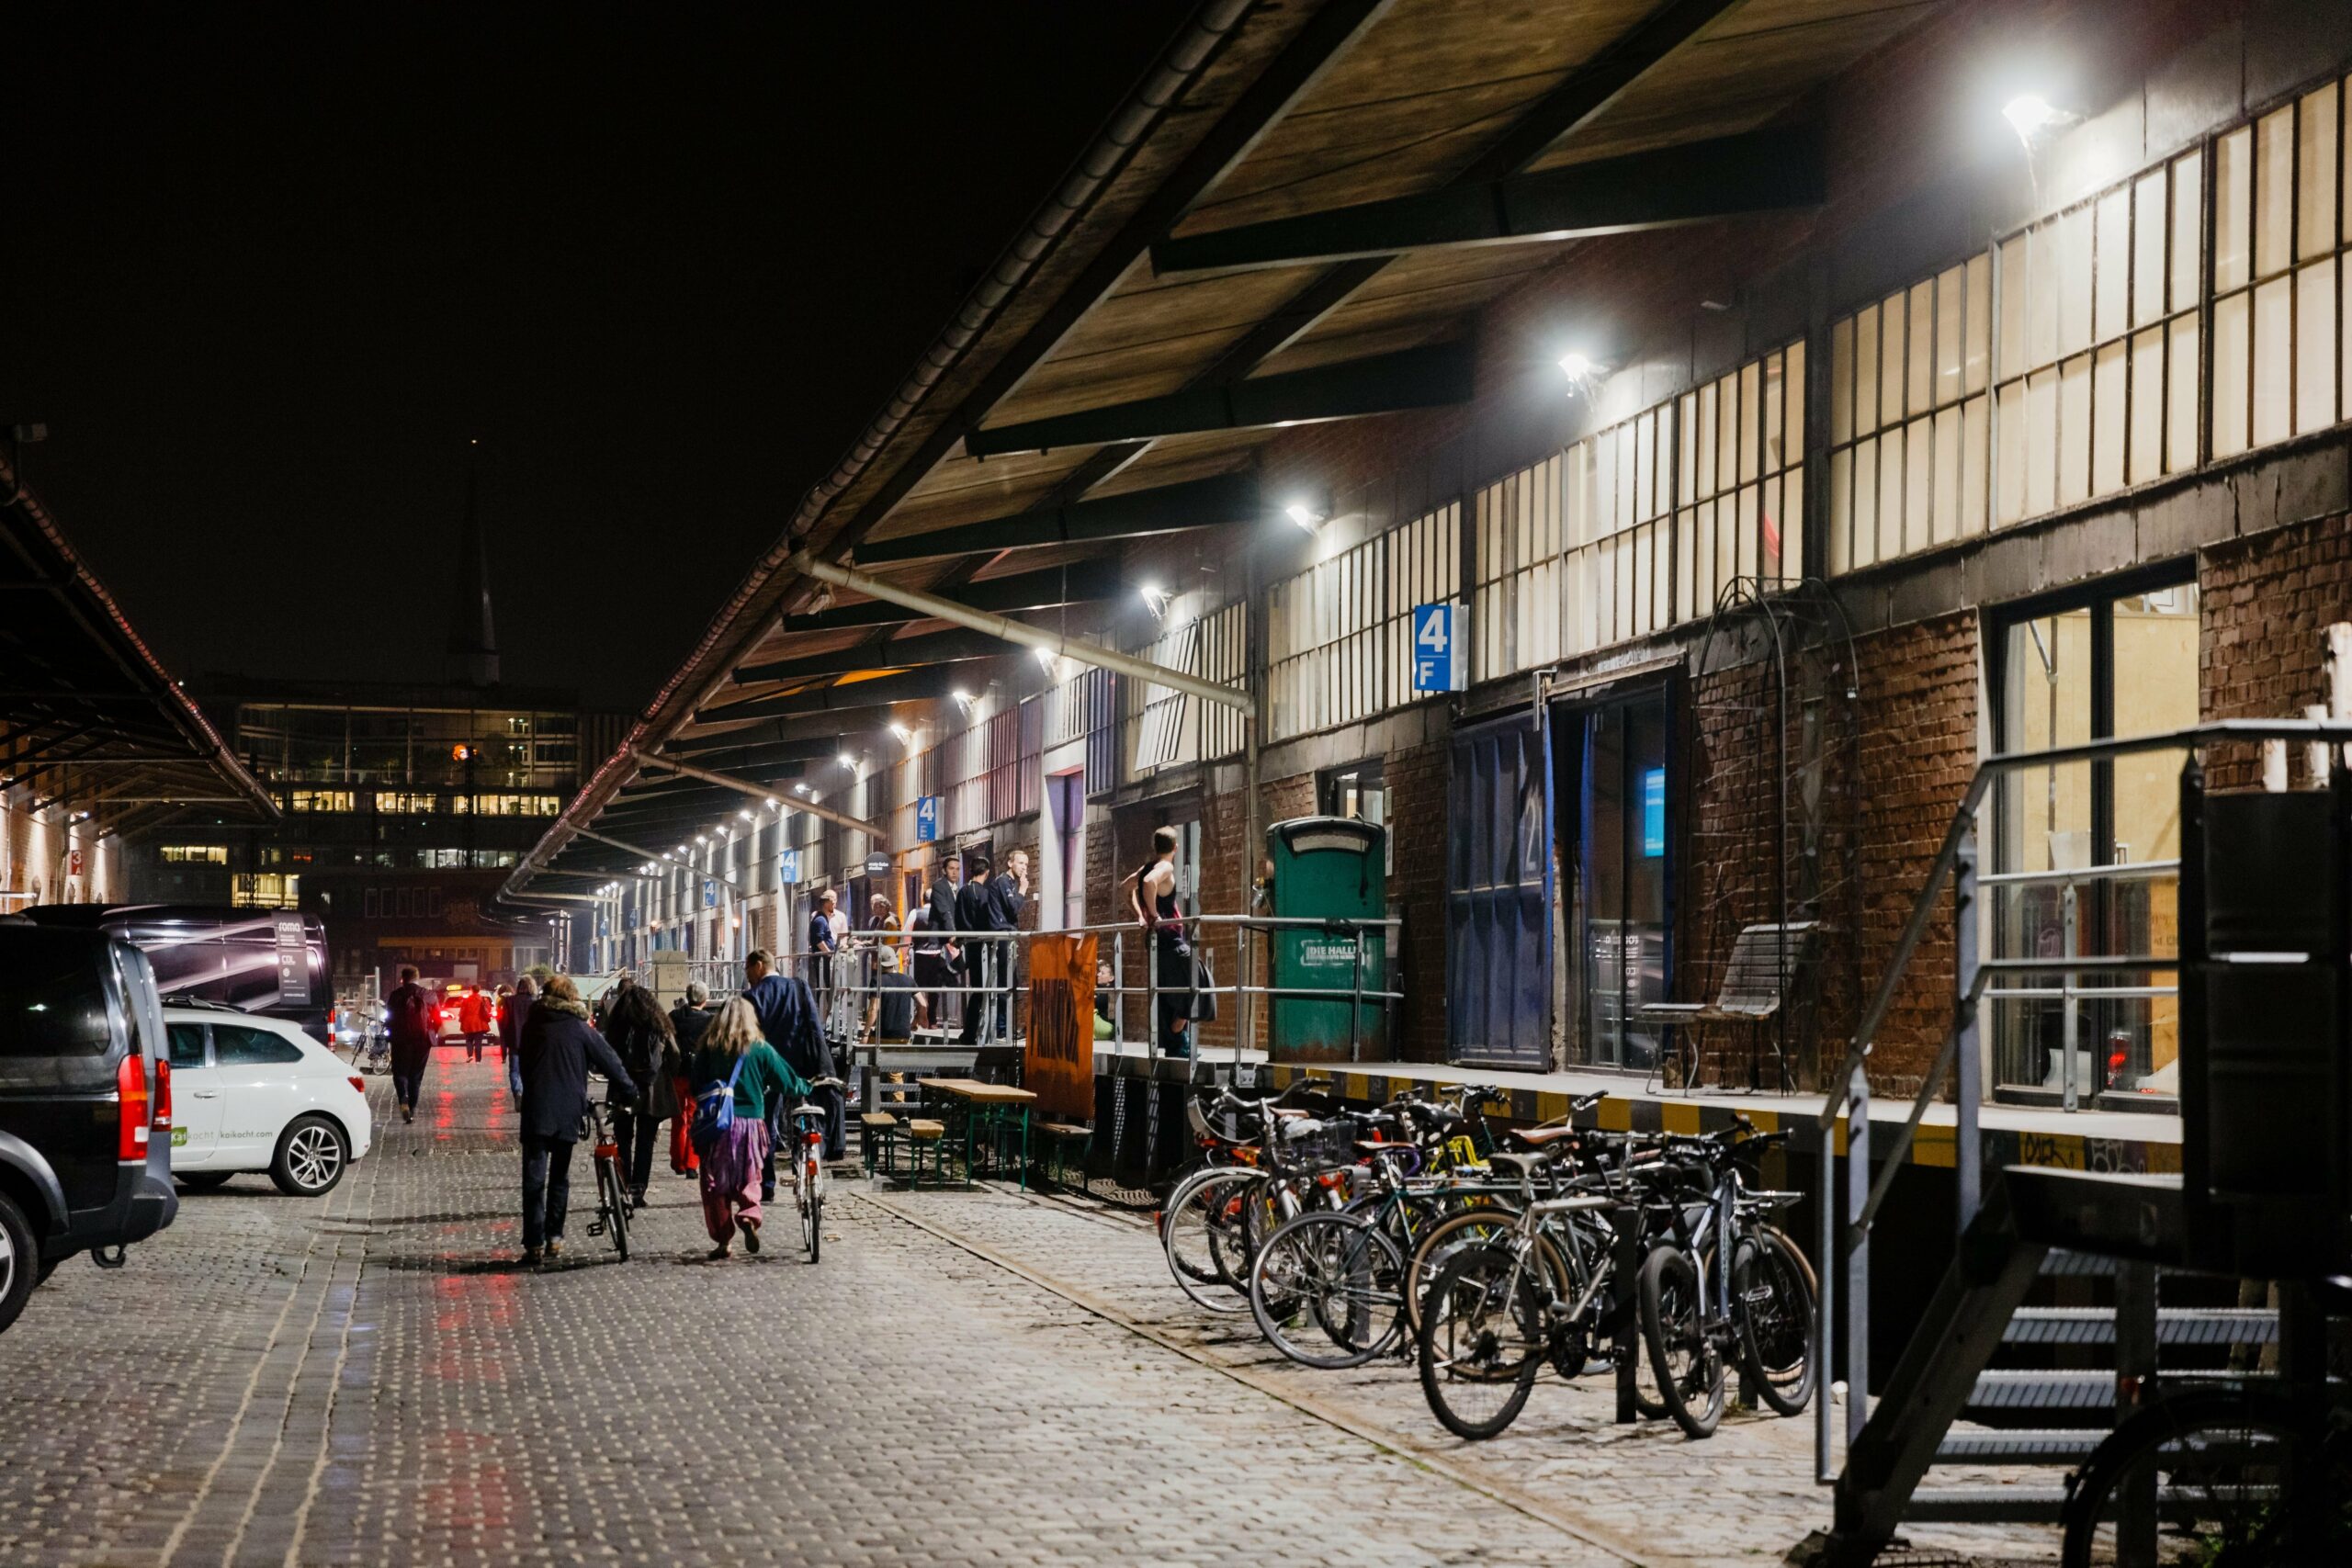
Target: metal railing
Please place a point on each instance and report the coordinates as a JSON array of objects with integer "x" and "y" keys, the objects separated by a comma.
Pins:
[{"x": 1845, "y": 1227}]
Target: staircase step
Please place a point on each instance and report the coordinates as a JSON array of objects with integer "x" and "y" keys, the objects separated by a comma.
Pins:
[
  {"x": 2020, "y": 1446},
  {"x": 1985, "y": 1505},
  {"x": 2175, "y": 1325},
  {"x": 2084, "y": 1390}
]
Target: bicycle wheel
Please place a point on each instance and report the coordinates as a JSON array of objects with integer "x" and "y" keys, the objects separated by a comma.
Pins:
[
  {"x": 812, "y": 1219},
  {"x": 1327, "y": 1291},
  {"x": 1771, "y": 1290},
  {"x": 1481, "y": 1341},
  {"x": 1689, "y": 1369},
  {"x": 1437, "y": 1246},
  {"x": 2220, "y": 1476},
  {"x": 1200, "y": 1232},
  {"x": 614, "y": 1202}
]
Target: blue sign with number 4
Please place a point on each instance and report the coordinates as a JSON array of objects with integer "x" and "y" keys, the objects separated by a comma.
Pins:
[
  {"x": 1441, "y": 661},
  {"x": 926, "y": 818}
]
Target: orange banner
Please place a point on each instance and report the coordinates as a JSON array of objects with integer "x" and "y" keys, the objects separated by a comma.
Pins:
[{"x": 1058, "y": 1063}]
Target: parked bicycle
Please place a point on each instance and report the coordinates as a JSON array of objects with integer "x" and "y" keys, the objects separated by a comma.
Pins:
[
  {"x": 612, "y": 1193},
  {"x": 806, "y": 1155}
]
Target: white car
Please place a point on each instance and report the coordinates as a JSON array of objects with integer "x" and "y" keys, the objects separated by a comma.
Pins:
[{"x": 255, "y": 1093}]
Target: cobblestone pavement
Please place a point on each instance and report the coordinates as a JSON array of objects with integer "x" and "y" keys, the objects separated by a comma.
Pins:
[
  {"x": 1744, "y": 1496},
  {"x": 366, "y": 1379}
]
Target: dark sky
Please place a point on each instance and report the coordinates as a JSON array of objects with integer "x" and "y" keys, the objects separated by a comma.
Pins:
[{"x": 267, "y": 269}]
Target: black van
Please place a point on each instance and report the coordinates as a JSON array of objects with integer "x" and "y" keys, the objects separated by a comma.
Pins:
[
  {"x": 265, "y": 961},
  {"x": 85, "y": 1104}
]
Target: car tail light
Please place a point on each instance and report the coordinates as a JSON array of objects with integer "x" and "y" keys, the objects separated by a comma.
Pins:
[
  {"x": 161, "y": 1120},
  {"x": 130, "y": 1128},
  {"x": 358, "y": 1082}
]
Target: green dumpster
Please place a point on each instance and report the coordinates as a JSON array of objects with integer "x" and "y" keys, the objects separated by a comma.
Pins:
[{"x": 1327, "y": 868}]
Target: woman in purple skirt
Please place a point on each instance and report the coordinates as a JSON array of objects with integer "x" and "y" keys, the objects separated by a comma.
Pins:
[{"x": 731, "y": 1052}]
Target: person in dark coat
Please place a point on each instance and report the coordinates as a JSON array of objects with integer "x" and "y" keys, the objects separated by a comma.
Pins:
[
  {"x": 940, "y": 968},
  {"x": 688, "y": 1021},
  {"x": 976, "y": 911},
  {"x": 414, "y": 1020},
  {"x": 559, "y": 1047},
  {"x": 788, "y": 1021},
  {"x": 1008, "y": 899},
  {"x": 510, "y": 1032},
  {"x": 642, "y": 1035}
]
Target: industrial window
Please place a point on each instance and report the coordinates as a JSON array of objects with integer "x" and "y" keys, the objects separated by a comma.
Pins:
[
  {"x": 398, "y": 802},
  {"x": 1909, "y": 418},
  {"x": 1515, "y": 609},
  {"x": 2281, "y": 319},
  {"x": 319, "y": 800},
  {"x": 1340, "y": 632},
  {"x": 502, "y": 804},
  {"x": 264, "y": 890},
  {"x": 1167, "y": 726},
  {"x": 2097, "y": 352},
  {"x": 1739, "y": 480},
  {"x": 206, "y": 854},
  {"x": 1617, "y": 566}
]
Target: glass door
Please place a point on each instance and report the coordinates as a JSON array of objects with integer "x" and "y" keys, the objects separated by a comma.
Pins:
[{"x": 1617, "y": 846}]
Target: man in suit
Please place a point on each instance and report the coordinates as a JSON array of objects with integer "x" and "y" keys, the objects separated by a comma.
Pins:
[
  {"x": 976, "y": 911},
  {"x": 824, "y": 941},
  {"x": 937, "y": 957},
  {"x": 1008, "y": 899}
]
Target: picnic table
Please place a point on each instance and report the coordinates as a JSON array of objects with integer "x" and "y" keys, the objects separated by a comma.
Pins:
[{"x": 969, "y": 1097}]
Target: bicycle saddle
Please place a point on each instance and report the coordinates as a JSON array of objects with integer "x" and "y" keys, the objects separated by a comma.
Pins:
[
  {"x": 1541, "y": 1137},
  {"x": 1518, "y": 1165}
]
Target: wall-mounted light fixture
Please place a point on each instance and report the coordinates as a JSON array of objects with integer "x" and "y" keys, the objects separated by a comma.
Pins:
[{"x": 1308, "y": 514}]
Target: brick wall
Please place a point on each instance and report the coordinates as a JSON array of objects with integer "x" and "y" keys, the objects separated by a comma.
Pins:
[{"x": 2263, "y": 603}]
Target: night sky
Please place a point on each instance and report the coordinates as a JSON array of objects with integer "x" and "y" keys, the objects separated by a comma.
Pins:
[{"x": 268, "y": 269}]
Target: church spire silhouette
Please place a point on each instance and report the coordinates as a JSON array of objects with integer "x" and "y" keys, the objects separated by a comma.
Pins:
[{"x": 473, "y": 636}]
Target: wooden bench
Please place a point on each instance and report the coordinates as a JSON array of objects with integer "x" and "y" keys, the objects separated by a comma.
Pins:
[
  {"x": 927, "y": 1135},
  {"x": 968, "y": 1097},
  {"x": 1755, "y": 986},
  {"x": 878, "y": 1129},
  {"x": 1059, "y": 1136}
]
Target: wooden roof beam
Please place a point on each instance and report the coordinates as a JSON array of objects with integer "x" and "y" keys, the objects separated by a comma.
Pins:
[
  {"x": 1196, "y": 504},
  {"x": 1080, "y": 582}
]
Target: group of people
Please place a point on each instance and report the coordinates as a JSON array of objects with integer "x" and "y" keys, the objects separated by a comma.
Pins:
[
  {"x": 953, "y": 906},
  {"x": 761, "y": 1053}
]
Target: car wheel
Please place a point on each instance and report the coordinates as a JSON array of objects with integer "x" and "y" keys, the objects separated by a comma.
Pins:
[
  {"x": 201, "y": 1180},
  {"x": 310, "y": 1157},
  {"x": 19, "y": 1260}
]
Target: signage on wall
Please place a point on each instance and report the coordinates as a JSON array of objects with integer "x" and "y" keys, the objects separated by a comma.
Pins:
[
  {"x": 293, "y": 957},
  {"x": 1652, "y": 813},
  {"x": 877, "y": 865},
  {"x": 926, "y": 818},
  {"x": 709, "y": 893},
  {"x": 1440, "y": 658},
  {"x": 788, "y": 867}
]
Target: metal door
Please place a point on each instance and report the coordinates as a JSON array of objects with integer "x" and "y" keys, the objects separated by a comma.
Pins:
[{"x": 1498, "y": 896}]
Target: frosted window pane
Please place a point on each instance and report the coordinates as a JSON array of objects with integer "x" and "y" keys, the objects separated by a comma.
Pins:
[
  {"x": 2012, "y": 459},
  {"x": 2147, "y": 451},
  {"x": 1775, "y": 389},
  {"x": 2114, "y": 265},
  {"x": 1919, "y": 473},
  {"x": 1727, "y": 545},
  {"x": 1644, "y": 460},
  {"x": 1750, "y": 377},
  {"x": 1866, "y": 504},
  {"x": 1980, "y": 322},
  {"x": 1706, "y": 441},
  {"x": 2041, "y": 297},
  {"x": 2274, "y": 190},
  {"x": 1946, "y": 515},
  {"x": 2232, "y": 212},
  {"x": 1841, "y": 510},
  {"x": 1949, "y": 296},
  {"x": 1891, "y": 542},
  {"x": 1799, "y": 394},
  {"x": 1686, "y": 540},
  {"x": 2180, "y": 387},
  {"x": 1686, "y": 454},
  {"x": 1922, "y": 384},
  {"x": 2273, "y": 354},
  {"x": 2074, "y": 430},
  {"x": 1792, "y": 522},
  {"x": 1841, "y": 383},
  {"x": 2041, "y": 442},
  {"x": 1747, "y": 539},
  {"x": 2315, "y": 346},
  {"x": 1973, "y": 467},
  {"x": 2188, "y": 227},
  {"x": 2075, "y": 280},
  {"x": 1892, "y": 360},
  {"x": 2107, "y": 409},
  {"x": 2233, "y": 337},
  {"x": 2015, "y": 283},
  {"x": 2150, "y": 224},
  {"x": 2344, "y": 319},
  {"x": 2315, "y": 175}
]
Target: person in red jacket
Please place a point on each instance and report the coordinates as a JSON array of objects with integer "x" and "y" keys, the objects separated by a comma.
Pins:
[{"x": 473, "y": 1017}]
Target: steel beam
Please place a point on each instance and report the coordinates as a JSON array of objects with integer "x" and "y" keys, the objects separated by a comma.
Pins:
[
  {"x": 1196, "y": 504},
  {"x": 1028, "y": 636},
  {"x": 896, "y": 653},
  {"x": 1438, "y": 376},
  {"x": 1762, "y": 171},
  {"x": 883, "y": 691},
  {"x": 776, "y": 740},
  {"x": 761, "y": 792},
  {"x": 1080, "y": 582},
  {"x": 659, "y": 857}
]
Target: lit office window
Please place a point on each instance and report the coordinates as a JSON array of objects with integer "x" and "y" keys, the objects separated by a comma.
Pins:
[
  {"x": 2281, "y": 319},
  {"x": 264, "y": 890},
  {"x": 1339, "y": 643},
  {"x": 1616, "y": 534},
  {"x": 1909, "y": 418},
  {"x": 319, "y": 800},
  {"x": 1739, "y": 480},
  {"x": 2097, "y": 351},
  {"x": 194, "y": 854},
  {"x": 406, "y": 802}
]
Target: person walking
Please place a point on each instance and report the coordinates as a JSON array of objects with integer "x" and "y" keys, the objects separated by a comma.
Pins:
[
  {"x": 734, "y": 1066},
  {"x": 640, "y": 1034},
  {"x": 416, "y": 1022},
  {"x": 510, "y": 1032},
  {"x": 975, "y": 912},
  {"x": 946, "y": 958},
  {"x": 473, "y": 1018},
  {"x": 559, "y": 1046},
  {"x": 688, "y": 1020},
  {"x": 787, "y": 1020}
]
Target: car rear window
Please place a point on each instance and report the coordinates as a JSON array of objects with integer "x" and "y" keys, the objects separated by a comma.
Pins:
[
  {"x": 52, "y": 1010},
  {"x": 234, "y": 1046}
]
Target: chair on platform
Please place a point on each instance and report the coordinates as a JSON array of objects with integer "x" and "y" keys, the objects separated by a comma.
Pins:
[{"x": 1755, "y": 988}]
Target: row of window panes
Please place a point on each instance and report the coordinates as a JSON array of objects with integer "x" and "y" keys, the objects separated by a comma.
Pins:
[
  {"x": 1739, "y": 492},
  {"x": 1168, "y": 725},
  {"x": 1515, "y": 612},
  {"x": 1341, "y": 631},
  {"x": 2282, "y": 324},
  {"x": 264, "y": 890},
  {"x": 198, "y": 854}
]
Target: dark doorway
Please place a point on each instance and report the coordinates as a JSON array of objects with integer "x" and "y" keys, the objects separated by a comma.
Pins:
[{"x": 1617, "y": 855}]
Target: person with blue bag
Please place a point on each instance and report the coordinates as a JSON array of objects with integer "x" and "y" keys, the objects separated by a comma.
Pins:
[{"x": 737, "y": 1076}]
